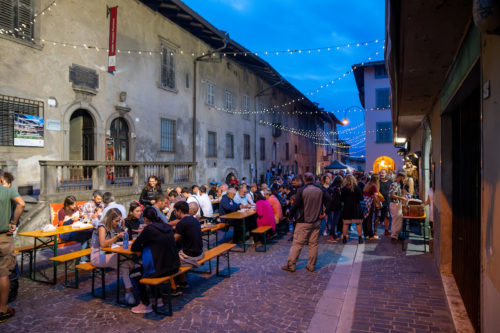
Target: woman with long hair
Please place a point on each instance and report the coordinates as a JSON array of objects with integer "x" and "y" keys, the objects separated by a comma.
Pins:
[
  {"x": 351, "y": 197},
  {"x": 134, "y": 220},
  {"x": 148, "y": 194},
  {"x": 371, "y": 197},
  {"x": 69, "y": 210},
  {"x": 107, "y": 232}
]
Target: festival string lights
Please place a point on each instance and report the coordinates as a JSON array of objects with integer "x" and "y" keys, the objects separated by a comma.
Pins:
[{"x": 20, "y": 28}]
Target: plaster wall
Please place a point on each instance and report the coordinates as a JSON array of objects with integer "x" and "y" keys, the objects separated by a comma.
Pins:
[
  {"x": 490, "y": 213},
  {"x": 374, "y": 149}
]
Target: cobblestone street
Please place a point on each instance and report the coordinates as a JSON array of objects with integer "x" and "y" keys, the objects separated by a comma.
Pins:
[{"x": 395, "y": 293}]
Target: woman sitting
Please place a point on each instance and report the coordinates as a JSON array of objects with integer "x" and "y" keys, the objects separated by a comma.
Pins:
[
  {"x": 106, "y": 233},
  {"x": 265, "y": 215},
  {"x": 159, "y": 255},
  {"x": 134, "y": 221},
  {"x": 67, "y": 216},
  {"x": 148, "y": 194}
]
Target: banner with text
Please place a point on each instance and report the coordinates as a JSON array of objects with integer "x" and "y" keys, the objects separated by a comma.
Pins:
[{"x": 113, "y": 14}]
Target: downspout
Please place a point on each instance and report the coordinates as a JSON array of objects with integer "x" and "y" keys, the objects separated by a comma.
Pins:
[{"x": 226, "y": 38}]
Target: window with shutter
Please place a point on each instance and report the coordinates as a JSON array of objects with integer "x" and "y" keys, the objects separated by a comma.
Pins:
[
  {"x": 167, "y": 76},
  {"x": 384, "y": 132},
  {"x": 210, "y": 93},
  {"x": 212, "y": 144},
  {"x": 16, "y": 17},
  {"x": 246, "y": 146},
  {"x": 382, "y": 98},
  {"x": 8, "y": 107},
  {"x": 229, "y": 146},
  {"x": 168, "y": 135}
]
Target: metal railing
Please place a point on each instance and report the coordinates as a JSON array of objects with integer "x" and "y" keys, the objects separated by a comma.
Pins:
[{"x": 57, "y": 178}]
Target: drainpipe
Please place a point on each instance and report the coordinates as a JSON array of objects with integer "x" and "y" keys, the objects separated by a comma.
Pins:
[{"x": 195, "y": 61}]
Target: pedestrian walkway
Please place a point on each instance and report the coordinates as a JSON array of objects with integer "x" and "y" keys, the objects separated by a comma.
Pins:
[{"x": 372, "y": 287}]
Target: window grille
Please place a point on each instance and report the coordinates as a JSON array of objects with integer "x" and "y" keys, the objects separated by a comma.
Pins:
[
  {"x": 8, "y": 107},
  {"x": 167, "y": 135}
]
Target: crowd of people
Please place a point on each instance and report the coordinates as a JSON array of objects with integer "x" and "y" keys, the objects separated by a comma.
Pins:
[{"x": 165, "y": 222}]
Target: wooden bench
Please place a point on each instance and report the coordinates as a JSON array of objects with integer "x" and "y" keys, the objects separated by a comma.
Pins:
[
  {"x": 210, "y": 230},
  {"x": 263, "y": 232},
  {"x": 156, "y": 283},
  {"x": 69, "y": 257},
  {"x": 54, "y": 209},
  {"x": 282, "y": 226},
  {"x": 91, "y": 268},
  {"x": 28, "y": 250}
]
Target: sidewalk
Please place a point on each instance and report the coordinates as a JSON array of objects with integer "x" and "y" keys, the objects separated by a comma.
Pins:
[
  {"x": 373, "y": 287},
  {"x": 383, "y": 289}
]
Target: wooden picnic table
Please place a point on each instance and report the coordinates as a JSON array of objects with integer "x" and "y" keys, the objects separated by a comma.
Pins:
[
  {"x": 241, "y": 216},
  {"x": 40, "y": 236}
]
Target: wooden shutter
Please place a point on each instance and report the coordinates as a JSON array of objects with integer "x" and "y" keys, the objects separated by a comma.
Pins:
[
  {"x": 7, "y": 14},
  {"x": 164, "y": 68},
  {"x": 24, "y": 18}
]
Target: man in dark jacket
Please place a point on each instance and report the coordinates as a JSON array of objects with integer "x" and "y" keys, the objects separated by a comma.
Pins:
[
  {"x": 309, "y": 202},
  {"x": 159, "y": 255},
  {"x": 228, "y": 205}
]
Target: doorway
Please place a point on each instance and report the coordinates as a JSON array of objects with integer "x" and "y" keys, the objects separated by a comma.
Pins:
[
  {"x": 120, "y": 136},
  {"x": 465, "y": 116},
  {"x": 81, "y": 136}
]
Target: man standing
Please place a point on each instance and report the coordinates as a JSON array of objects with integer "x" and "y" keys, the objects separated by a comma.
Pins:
[
  {"x": 309, "y": 201},
  {"x": 8, "y": 196},
  {"x": 396, "y": 205},
  {"x": 385, "y": 185}
]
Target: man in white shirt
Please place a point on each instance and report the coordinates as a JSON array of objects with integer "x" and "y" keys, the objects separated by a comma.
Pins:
[
  {"x": 241, "y": 197},
  {"x": 205, "y": 203},
  {"x": 109, "y": 202}
]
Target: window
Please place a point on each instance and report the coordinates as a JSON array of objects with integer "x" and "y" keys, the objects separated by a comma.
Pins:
[
  {"x": 212, "y": 144},
  {"x": 382, "y": 99},
  {"x": 229, "y": 101},
  {"x": 287, "y": 152},
  {"x": 262, "y": 149},
  {"x": 229, "y": 145},
  {"x": 167, "y": 77},
  {"x": 384, "y": 132},
  {"x": 246, "y": 146},
  {"x": 380, "y": 72},
  {"x": 296, "y": 150},
  {"x": 16, "y": 16},
  {"x": 246, "y": 107},
  {"x": 210, "y": 93},
  {"x": 167, "y": 135},
  {"x": 9, "y": 106}
]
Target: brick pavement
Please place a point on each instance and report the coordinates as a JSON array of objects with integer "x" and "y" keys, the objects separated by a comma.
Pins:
[{"x": 387, "y": 292}]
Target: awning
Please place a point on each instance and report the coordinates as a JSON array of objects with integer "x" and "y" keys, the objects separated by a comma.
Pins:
[{"x": 337, "y": 165}]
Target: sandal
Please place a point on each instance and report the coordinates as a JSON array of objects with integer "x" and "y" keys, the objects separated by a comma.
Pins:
[{"x": 6, "y": 315}]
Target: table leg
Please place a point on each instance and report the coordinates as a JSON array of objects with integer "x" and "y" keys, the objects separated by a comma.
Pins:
[
  {"x": 244, "y": 236},
  {"x": 55, "y": 264},
  {"x": 34, "y": 261},
  {"x": 118, "y": 279}
]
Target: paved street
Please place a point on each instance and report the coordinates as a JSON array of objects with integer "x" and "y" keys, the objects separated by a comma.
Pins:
[{"x": 373, "y": 287}]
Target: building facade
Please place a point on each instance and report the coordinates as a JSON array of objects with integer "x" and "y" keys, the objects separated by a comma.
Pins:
[
  {"x": 182, "y": 91},
  {"x": 445, "y": 101},
  {"x": 374, "y": 95}
]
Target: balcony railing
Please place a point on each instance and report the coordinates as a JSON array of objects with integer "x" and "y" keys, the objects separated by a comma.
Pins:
[{"x": 59, "y": 178}]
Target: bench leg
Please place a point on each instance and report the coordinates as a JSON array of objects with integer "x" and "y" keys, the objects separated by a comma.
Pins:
[
  {"x": 103, "y": 283},
  {"x": 265, "y": 242},
  {"x": 228, "y": 266},
  {"x": 93, "y": 282},
  {"x": 169, "y": 299}
]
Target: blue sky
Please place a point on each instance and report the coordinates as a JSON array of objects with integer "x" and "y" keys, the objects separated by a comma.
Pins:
[{"x": 266, "y": 25}]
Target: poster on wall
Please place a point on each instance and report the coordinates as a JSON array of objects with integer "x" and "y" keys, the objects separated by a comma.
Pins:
[
  {"x": 110, "y": 156},
  {"x": 28, "y": 130}
]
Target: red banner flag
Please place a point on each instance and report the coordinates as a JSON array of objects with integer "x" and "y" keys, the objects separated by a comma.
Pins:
[{"x": 112, "y": 39}]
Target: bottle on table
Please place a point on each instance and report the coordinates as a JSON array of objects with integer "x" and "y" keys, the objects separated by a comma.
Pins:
[{"x": 125, "y": 239}]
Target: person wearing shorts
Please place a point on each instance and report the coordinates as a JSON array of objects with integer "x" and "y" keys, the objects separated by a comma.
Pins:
[{"x": 8, "y": 196}]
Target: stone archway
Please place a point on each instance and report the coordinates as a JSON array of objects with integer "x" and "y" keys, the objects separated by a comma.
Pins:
[
  {"x": 228, "y": 173},
  {"x": 131, "y": 131},
  {"x": 383, "y": 162},
  {"x": 98, "y": 133}
]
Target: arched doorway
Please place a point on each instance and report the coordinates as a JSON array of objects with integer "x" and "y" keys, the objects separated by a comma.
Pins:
[
  {"x": 120, "y": 137},
  {"x": 81, "y": 136},
  {"x": 383, "y": 162}
]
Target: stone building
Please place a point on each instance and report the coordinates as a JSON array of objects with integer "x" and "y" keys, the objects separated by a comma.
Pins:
[{"x": 185, "y": 101}]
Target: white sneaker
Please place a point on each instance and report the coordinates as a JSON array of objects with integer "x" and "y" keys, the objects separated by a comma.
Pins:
[
  {"x": 325, "y": 233},
  {"x": 129, "y": 298},
  {"x": 141, "y": 308}
]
